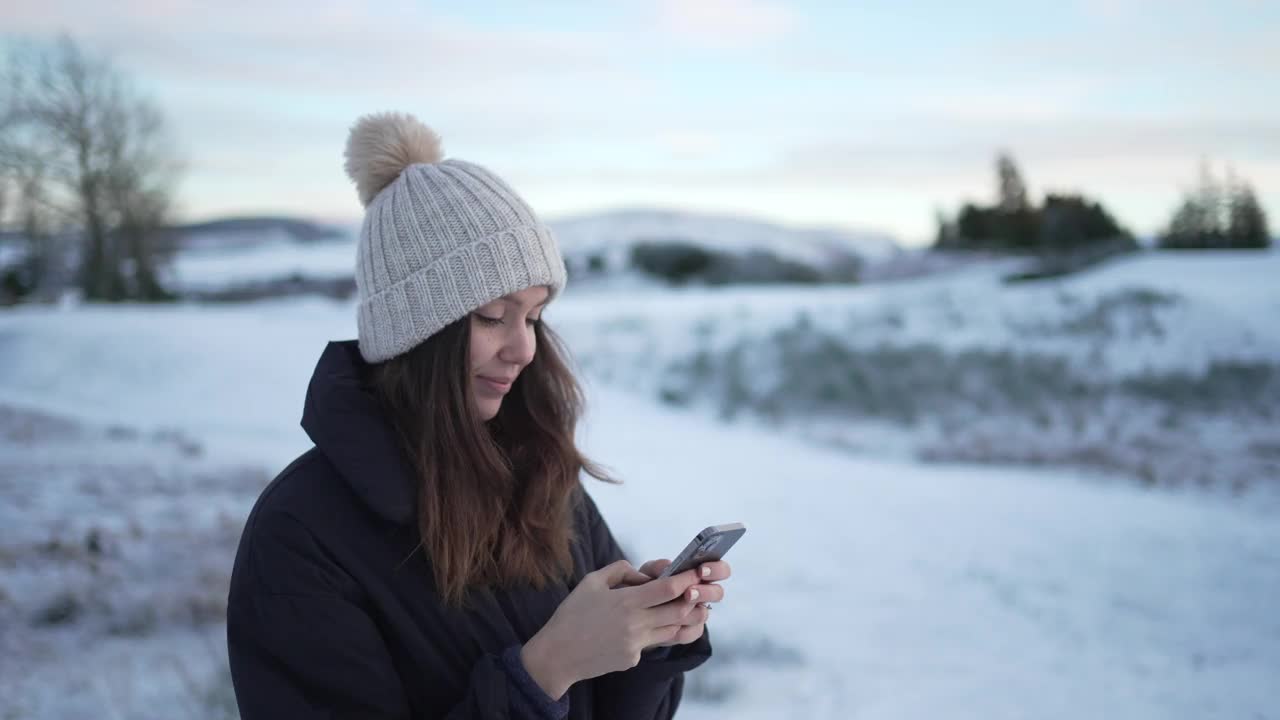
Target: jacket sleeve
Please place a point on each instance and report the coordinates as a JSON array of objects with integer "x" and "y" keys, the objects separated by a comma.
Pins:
[
  {"x": 299, "y": 649},
  {"x": 652, "y": 689}
]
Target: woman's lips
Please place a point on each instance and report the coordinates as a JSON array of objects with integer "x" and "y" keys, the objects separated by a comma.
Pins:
[{"x": 497, "y": 386}]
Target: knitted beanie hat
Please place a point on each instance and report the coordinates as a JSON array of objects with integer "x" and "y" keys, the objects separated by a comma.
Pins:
[{"x": 439, "y": 239}]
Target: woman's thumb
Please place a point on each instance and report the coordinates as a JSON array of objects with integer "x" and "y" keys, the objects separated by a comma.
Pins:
[{"x": 620, "y": 572}]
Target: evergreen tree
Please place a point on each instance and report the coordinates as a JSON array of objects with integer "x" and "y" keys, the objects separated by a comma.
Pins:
[
  {"x": 1185, "y": 228},
  {"x": 1013, "y": 221},
  {"x": 1070, "y": 221},
  {"x": 1246, "y": 221},
  {"x": 1217, "y": 216},
  {"x": 1065, "y": 223},
  {"x": 974, "y": 226},
  {"x": 946, "y": 237},
  {"x": 1213, "y": 203}
]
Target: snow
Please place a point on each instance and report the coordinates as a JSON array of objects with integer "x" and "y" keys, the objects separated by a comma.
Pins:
[
  {"x": 868, "y": 585},
  {"x": 275, "y": 256},
  {"x": 1242, "y": 280},
  {"x": 614, "y": 232},
  {"x": 1218, "y": 308},
  {"x": 912, "y": 592}
]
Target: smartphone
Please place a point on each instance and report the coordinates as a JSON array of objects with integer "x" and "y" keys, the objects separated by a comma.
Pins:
[{"x": 708, "y": 545}]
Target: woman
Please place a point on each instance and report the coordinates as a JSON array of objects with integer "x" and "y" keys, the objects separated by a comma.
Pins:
[{"x": 435, "y": 554}]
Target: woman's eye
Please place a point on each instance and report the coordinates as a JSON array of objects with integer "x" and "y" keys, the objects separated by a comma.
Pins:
[{"x": 486, "y": 320}]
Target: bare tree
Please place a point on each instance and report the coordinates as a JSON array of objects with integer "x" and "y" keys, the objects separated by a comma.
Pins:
[
  {"x": 93, "y": 159},
  {"x": 1011, "y": 191}
]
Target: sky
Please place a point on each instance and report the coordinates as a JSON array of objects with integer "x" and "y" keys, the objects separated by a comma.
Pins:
[{"x": 861, "y": 115}]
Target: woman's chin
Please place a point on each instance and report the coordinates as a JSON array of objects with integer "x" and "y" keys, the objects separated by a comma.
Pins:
[{"x": 488, "y": 409}]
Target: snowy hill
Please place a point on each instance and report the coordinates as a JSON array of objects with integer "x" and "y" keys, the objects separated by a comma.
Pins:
[
  {"x": 219, "y": 256},
  {"x": 607, "y": 230},
  {"x": 598, "y": 249},
  {"x": 240, "y": 232},
  {"x": 608, "y": 241},
  {"x": 1160, "y": 366}
]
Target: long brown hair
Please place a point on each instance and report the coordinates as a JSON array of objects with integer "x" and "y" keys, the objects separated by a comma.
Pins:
[{"x": 494, "y": 499}]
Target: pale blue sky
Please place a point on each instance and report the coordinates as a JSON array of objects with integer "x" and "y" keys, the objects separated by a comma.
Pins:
[{"x": 856, "y": 114}]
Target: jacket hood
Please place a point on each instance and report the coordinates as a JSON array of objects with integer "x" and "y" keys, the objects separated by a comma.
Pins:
[{"x": 343, "y": 418}]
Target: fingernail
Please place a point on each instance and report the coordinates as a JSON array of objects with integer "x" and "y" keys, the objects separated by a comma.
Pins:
[
  {"x": 693, "y": 594},
  {"x": 705, "y": 571}
]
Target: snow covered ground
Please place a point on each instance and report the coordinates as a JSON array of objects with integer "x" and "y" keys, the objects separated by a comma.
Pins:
[
  {"x": 1161, "y": 367},
  {"x": 880, "y": 589},
  {"x": 274, "y": 257},
  {"x": 133, "y": 441}
]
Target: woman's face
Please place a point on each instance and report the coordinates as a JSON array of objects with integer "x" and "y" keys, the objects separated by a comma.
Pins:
[{"x": 502, "y": 344}]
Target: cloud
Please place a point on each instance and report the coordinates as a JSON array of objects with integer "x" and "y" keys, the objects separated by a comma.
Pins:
[
  {"x": 1167, "y": 53},
  {"x": 1149, "y": 149},
  {"x": 254, "y": 72},
  {"x": 1045, "y": 100},
  {"x": 689, "y": 144},
  {"x": 949, "y": 162},
  {"x": 726, "y": 23},
  {"x": 339, "y": 48}
]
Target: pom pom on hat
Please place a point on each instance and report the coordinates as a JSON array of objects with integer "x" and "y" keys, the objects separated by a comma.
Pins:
[{"x": 382, "y": 145}]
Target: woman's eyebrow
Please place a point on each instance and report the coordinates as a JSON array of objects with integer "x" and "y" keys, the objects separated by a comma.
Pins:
[{"x": 513, "y": 301}]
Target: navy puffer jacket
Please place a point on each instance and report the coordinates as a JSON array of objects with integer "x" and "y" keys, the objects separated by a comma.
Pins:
[{"x": 331, "y": 614}]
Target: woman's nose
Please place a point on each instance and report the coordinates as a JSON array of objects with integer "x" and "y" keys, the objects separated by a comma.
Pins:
[{"x": 519, "y": 346}]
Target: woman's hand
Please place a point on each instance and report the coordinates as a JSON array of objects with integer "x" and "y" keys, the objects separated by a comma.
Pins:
[
  {"x": 606, "y": 622},
  {"x": 704, "y": 593}
]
